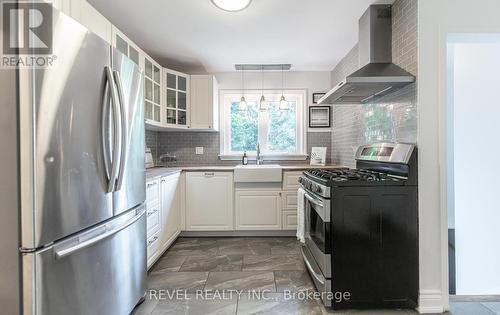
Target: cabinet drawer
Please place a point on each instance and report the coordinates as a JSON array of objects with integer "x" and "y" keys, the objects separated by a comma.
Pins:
[
  {"x": 291, "y": 180},
  {"x": 152, "y": 191},
  {"x": 152, "y": 244},
  {"x": 289, "y": 220},
  {"x": 290, "y": 199},
  {"x": 153, "y": 218}
]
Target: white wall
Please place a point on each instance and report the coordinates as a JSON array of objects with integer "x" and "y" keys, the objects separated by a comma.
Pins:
[
  {"x": 313, "y": 81},
  {"x": 476, "y": 109},
  {"x": 437, "y": 19}
]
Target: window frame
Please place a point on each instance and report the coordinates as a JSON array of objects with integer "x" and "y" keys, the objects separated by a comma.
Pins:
[{"x": 225, "y": 99}]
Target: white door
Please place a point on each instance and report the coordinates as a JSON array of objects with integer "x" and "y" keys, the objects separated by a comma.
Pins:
[
  {"x": 258, "y": 210},
  {"x": 209, "y": 201},
  {"x": 474, "y": 141}
]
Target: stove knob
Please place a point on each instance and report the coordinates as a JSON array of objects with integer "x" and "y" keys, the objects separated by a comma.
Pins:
[
  {"x": 300, "y": 180},
  {"x": 308, "y": 185},
  {"x": 316, "y": 188}
]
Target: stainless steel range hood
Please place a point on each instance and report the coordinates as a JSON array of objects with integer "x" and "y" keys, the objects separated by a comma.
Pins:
[{"x": 377, "y": 75}]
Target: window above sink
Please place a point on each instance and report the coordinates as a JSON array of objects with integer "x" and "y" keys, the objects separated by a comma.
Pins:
[{"x": 281, "y": 134}]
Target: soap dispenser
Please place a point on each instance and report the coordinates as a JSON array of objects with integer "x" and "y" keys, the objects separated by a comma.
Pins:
[{"x": 244, "y": 160}]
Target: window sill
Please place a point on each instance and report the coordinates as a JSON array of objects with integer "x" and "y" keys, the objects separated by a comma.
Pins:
[{"x": 277, "y": 157}]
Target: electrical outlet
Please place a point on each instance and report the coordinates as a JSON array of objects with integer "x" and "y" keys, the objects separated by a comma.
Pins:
[{"x": 199, "y": 150}]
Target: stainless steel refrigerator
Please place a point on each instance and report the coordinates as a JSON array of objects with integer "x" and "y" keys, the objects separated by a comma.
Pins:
[{"x": 79, "y": 222}]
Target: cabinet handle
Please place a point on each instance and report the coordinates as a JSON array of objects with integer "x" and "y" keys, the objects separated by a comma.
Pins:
[
  {"x": 151, "y": 184},
  {"x": 153, "y": 240},
  {"x": 152, "y": 212},
  {"x": 163, "y": 180},
  {"x": 209, "y": 174}
]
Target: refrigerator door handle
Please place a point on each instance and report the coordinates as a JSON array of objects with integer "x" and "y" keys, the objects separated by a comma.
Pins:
[
  {"x": 64, "y": 252},
  {"x": 117, "y": 132},
  {"x": 123, "y": 161},
  {"x": 105, "y": 127}
]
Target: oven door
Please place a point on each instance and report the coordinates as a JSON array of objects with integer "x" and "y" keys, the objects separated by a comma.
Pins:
[{"x": 318, "y": 230}]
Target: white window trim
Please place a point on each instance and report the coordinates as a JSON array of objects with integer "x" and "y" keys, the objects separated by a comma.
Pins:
[{"x": 225, "y": 132}]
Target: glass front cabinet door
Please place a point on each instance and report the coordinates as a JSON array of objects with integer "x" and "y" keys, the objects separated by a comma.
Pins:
[
  {"x": 176, "y": 100},
  {"x": 152, "y": 91}
]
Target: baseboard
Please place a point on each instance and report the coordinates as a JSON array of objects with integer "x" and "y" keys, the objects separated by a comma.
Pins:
[
  {"x": 270, "y": 233},
  {"x": 430, "y": 301}
]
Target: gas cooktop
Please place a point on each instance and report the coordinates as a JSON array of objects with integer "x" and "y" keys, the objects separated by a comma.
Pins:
[{"x": 346, "y": 175}]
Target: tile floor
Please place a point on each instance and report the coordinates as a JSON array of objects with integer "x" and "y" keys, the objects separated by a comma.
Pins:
[{"x": 223, "y": 265}]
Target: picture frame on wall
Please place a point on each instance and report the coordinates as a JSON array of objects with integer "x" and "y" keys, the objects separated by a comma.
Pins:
[
  {"x": 319, "y": 117},
  {"x": 317, "y": 96}
]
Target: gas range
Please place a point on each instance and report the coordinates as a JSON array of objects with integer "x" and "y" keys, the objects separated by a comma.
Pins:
[{"x": 360, "y": 221}]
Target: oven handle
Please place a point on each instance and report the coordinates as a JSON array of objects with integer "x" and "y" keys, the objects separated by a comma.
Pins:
[{"x": 315, "y": 201}]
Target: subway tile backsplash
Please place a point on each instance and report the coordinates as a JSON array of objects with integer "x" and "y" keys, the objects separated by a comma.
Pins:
[{"x": 183, "y": 146}]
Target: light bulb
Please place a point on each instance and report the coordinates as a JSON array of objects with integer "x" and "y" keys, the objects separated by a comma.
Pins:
[
  {"x": 242, "y": 106},
  {"x": 231, "y": 5},
  {"x": 283, "y": 103},
  {"x": 263, "y": 104}
]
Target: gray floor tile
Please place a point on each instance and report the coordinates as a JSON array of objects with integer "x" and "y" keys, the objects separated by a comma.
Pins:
[
  {"x": 474, "y": 298},
  {"x": 194, "y": 246},
  {"x": 285, "y": 249},
  {"x": 277, "y": 304},
  {"x": 168, "y": 263},
  {"x": 293, "y": 280},
  {"x": 194, "y": 305},
  {"x": 213, "y": 263},
  {"x": 492, "y": 306},
  {"x": 241, "y": 281},
  {"x": 467, "y": 308},
  {"x": 190, "y": 281},
  {"x": 273, "y": 262},
  {"x": 244, "y": 249}
]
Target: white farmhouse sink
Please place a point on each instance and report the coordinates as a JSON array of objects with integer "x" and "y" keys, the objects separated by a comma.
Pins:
[{"x": 266, "y": 173}]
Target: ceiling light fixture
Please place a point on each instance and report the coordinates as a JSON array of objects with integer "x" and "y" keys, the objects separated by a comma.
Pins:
[
  {"x": 263, "y": 103},
  {"x": 231, "y": 5},
  {"x": 283, "y": 103},
  {"x": 242, "y": 106}
]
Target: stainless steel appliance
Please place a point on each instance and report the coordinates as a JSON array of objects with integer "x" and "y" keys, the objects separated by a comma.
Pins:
[
  {"x": 361, "y": 229},
  {"x": 80, "y": 222},
  {"x": 377, "y": 75}
]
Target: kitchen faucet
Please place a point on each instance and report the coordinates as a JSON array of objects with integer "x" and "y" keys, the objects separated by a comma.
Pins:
[{"x": 259, "y": 158}]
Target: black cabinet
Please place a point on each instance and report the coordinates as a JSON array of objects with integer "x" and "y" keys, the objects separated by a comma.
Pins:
[{"x": 375, "y": 246}]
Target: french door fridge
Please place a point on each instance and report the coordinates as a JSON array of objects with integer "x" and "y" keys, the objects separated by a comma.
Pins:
[{"x": 82, "y": 178}]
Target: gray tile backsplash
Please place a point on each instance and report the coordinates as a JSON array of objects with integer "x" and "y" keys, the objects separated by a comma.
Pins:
[
  {"x": 183, "y": 146},
  {"x": 392, "y": 118}
]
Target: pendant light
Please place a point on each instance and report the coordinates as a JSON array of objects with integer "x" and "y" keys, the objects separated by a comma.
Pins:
[
  {"x": 263, "y": 104},
  {"x": 283, "y": 103},
  {"x": 242, "y": 106}
]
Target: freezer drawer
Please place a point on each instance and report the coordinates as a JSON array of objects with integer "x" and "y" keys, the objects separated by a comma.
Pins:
[{"x": 100, "y": 271}]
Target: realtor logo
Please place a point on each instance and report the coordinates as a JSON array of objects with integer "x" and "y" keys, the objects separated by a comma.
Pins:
[
  {"x": 26, "y": 34},
  {"x": 27, "y": 28}
]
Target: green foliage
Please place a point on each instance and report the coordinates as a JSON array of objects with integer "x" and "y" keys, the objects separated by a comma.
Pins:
[
  {"x": 244, "y": 128},
  {"x": 282, "y": 134}
]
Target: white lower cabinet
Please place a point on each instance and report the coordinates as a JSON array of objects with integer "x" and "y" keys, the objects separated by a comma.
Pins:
[
  {"x": 163, "y": 211},
  {"x": 170, "y": 209},
  {"x": 209, "y": 201},
  {"x": 258, "y": 210}
]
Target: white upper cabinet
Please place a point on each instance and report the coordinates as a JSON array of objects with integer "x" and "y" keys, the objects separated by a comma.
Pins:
[
  {"x": 121, "y": 42},
  {"x": 152, "y": 91},
  {"x": 176, "y": 89},
  {"x": 204, "y": 102}
]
